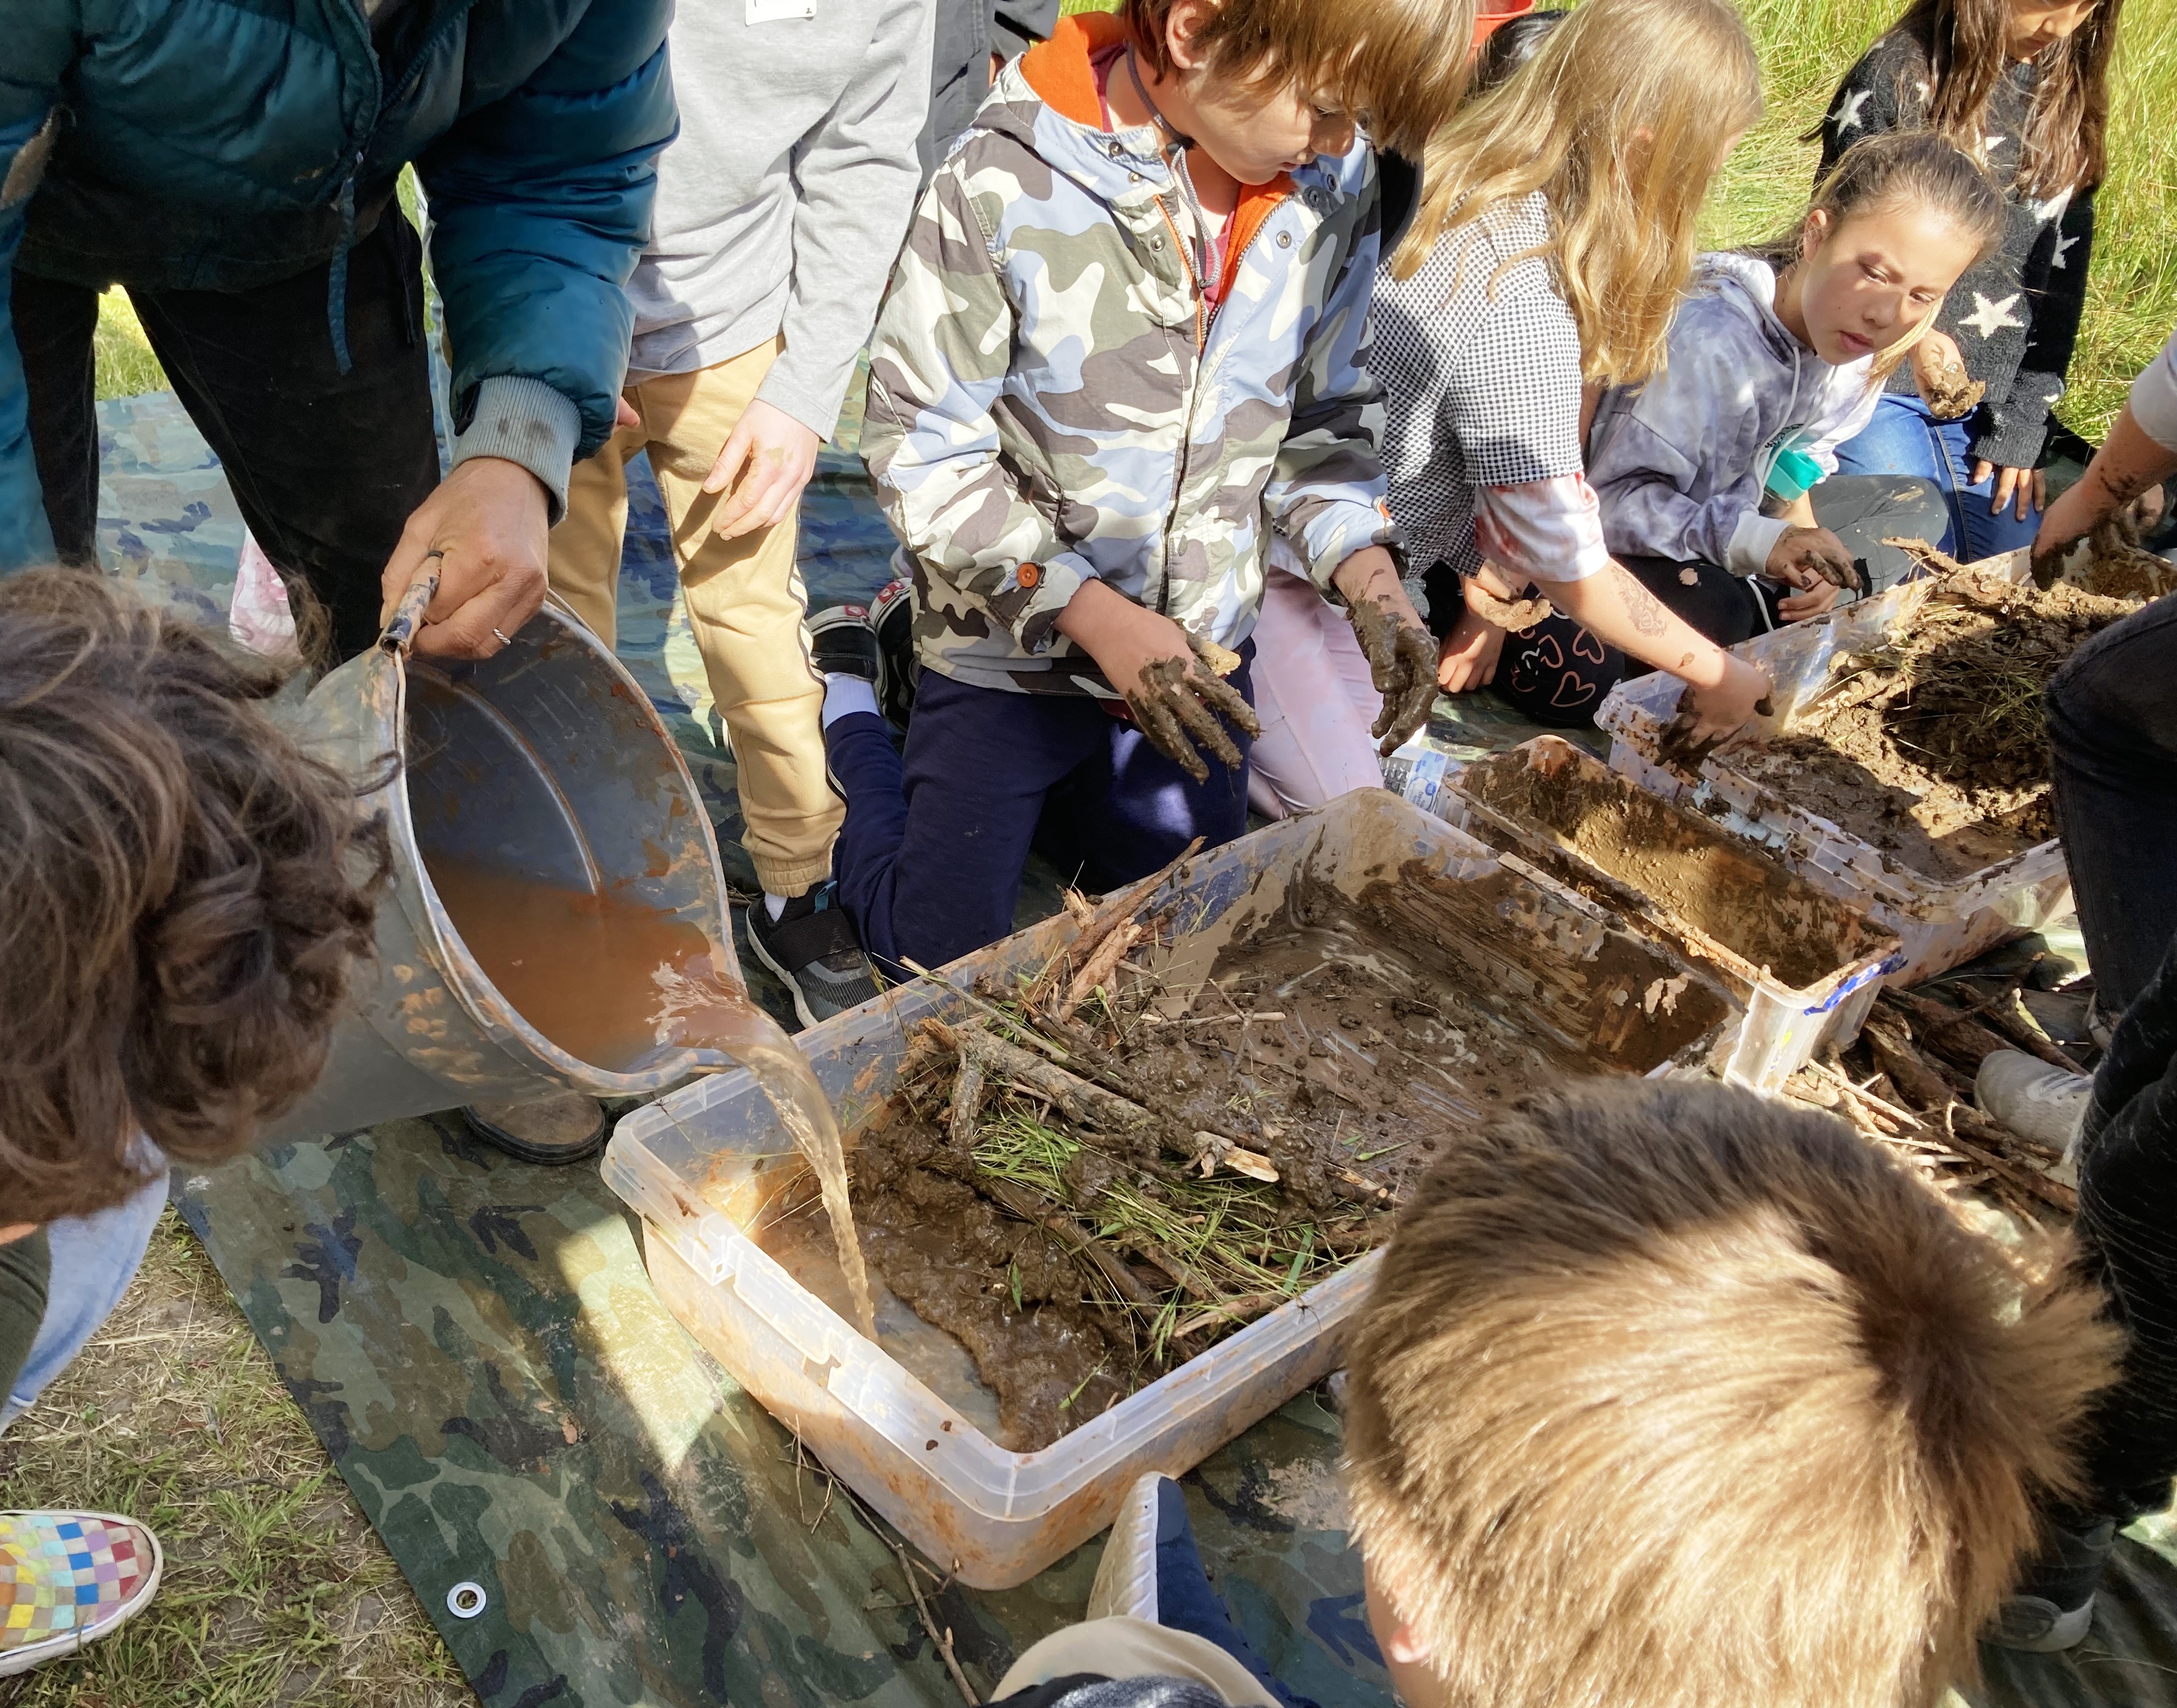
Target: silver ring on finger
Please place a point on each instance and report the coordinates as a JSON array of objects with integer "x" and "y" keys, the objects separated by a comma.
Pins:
[{"x": 501, "y": 638}]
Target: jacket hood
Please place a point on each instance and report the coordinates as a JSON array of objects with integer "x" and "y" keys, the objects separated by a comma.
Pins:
[
  {"x": 1047, "y": 102},
  {"x": 1749, "y": 284}
]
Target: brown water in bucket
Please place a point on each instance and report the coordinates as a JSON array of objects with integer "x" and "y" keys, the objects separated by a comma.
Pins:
[{"x": 609, "y": 980}]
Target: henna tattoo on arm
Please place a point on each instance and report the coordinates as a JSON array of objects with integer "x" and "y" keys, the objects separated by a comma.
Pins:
[{"x": 1643, "y": 609}]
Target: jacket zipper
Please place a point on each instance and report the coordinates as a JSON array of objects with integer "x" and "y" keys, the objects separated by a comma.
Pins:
[{"x": 1205, "y": 317}]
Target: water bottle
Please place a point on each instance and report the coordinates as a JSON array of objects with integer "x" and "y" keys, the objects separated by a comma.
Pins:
[{"x": 1422, "y": 771}]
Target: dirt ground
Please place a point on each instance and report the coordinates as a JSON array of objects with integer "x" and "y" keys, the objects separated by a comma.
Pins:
[{"x": 276, "y": 1590}]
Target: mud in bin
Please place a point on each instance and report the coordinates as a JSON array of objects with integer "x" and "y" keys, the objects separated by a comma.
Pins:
[
  {"x": 1369, "y": 885},
  {"x": 1987, "y": 881},
  {"x": 1806, "y": 964}
]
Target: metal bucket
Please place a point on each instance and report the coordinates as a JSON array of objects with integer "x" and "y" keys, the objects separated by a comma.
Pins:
[{"x": 544, "y": 762}]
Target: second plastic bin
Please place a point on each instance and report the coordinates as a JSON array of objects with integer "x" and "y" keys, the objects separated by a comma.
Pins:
[
  {"x": 1806, "y": 964},
  {"x": 701, "y": 1163},
  {"x": 1940, "y": 922}
]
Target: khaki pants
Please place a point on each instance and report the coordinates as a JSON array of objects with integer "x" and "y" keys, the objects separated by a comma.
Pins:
[{"x": 745, "y": 603}]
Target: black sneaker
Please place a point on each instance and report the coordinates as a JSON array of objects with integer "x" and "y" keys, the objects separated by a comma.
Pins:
[
  {"x": 842, "y": 643},
  {"x": 893, "y": 616},
  {"x": 2053, "y": 1608},
  {"x": 561, "y": 1127},
  {"x": 812, "y": 946}
]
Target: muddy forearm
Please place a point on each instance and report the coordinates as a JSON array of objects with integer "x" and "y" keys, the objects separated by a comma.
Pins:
[
  {"x": 2127, "y": 464},
  {"x": 1619, "y": 612}
]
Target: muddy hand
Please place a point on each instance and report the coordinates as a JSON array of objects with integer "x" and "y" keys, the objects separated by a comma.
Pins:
[
  {"x": 1401, "y": 663},
  {"x": 1177, "y": 704},
  {"x": 1804, "y": 556},
  {"x": 1708, "y": 718}
]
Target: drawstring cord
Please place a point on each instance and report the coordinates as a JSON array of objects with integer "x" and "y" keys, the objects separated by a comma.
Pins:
[{"x": 336, "y": 275}]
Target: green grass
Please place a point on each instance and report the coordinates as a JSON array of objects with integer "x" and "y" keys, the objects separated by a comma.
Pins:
[
  {"x": 126, "y": 366},
  {"x": 276, "y": 1590},
  {"x": 1808, "y": 45}
]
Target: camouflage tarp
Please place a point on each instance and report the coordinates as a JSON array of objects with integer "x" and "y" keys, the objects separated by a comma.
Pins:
[{"x": 476, "y": 1343}]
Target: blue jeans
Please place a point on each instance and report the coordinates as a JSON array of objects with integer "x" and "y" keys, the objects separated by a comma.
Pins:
[
  {"x": 1905, "y": 439},
  {"x": 929, "y": 859},
  {"x": 94, "y": 1258}
]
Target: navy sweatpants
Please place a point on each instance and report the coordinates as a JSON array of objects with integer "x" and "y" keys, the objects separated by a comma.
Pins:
[{"x": 929, "y": 861}]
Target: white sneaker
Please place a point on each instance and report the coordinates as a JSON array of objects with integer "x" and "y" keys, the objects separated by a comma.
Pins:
[
  {"x": 1127, "y": 1581},
  {"x": 2045, "y": 1104}
]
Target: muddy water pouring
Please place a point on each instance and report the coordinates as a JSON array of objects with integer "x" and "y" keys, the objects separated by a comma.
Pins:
[{"x": 557, "y": 918}]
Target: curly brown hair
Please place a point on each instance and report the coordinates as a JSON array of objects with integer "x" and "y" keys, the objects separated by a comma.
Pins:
[{"x": 182, "y": 892}]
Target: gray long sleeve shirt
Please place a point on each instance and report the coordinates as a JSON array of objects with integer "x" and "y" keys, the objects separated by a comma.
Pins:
[{"x": 782, "y": 204}]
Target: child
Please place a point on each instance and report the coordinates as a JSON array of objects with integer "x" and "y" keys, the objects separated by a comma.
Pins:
[
  {"x": 779, "y": 208},
  {"x": 1666, "y": 1394},
  {"x": 1775, "y": 355},
  {"x": 1555, "y": 232},
  {"x": 2022, "y": 85},
  {"x": 1314, "y": 692},
  {"x": 1124, "y": 341},
  {"x": 182, "y": 894}
]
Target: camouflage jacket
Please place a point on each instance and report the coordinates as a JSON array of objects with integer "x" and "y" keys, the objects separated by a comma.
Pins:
[{"x": 1051, "y": 397}]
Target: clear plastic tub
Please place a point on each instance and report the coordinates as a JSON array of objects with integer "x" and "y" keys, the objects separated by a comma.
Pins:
[
  {"x": 1940, "y": 922},
  {"x": 701, "y": 1164},
  {"x": 1806, "y": 964}
]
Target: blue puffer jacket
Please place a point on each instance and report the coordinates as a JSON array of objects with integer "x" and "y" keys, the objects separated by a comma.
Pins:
[{"x": 211, "y": 145}]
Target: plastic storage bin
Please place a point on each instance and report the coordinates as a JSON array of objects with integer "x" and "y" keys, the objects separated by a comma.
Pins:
[
  {"x": 701, "y": 1163},
  {"x": 1806, "y": 964},
  {"x": 1939, "y": 922}
]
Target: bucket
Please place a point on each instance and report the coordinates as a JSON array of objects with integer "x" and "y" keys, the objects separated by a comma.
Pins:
[
  {"x": 1494, "y": 13},
  {"x": 541, "y": 770}
]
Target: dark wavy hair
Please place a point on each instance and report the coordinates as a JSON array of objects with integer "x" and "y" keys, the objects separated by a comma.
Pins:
[{"x": 183, "y": 894}]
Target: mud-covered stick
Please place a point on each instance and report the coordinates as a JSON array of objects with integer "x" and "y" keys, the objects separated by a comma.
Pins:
[
  {"x": 1068, "y": 1233},
  {"x": 1081, "y": 1101},
  {"x": 967, "y": 1104}
]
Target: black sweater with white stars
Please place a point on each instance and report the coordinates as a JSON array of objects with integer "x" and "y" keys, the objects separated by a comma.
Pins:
[{"x": 2016, "y": 316}]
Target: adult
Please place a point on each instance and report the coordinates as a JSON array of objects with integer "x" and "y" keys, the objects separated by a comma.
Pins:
[
  {"x": 2113, "y": 725},
  {"x": 971, "y": 38},
  {"x": 235, "y": 170},
  {"x": 779, "y": 210}
]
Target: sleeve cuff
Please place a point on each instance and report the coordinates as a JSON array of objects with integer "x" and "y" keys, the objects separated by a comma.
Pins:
[
  {"x": 2153, "y": 398},
  {"x": 816, "y": 406},
  {"x": 527, "y": 422},
  {"x": 1033, "y": 595},
  {"x": 1335, "y": 531},
  {"x": 2013, "y": 442},
  {"x": 1752, "y": 541}
]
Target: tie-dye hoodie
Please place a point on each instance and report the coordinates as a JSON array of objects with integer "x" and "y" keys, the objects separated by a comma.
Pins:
[{"x": 1052, "y": 397}]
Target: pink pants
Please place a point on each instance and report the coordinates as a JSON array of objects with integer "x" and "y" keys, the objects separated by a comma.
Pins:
[{"x": 1316, "y": 701}]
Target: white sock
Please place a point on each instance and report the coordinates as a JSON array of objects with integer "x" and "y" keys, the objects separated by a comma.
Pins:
[
  {"x": 773, "y": 905},
  {"x": 845, "y": 695}
]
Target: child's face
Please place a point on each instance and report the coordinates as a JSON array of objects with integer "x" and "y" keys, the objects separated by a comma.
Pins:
[
  {"x": 1254, "y": 134},
  {"x": 2038, "y": 24},
  {"x": 1251, "y": 128},
  {"x": 1868, "y": 282}
]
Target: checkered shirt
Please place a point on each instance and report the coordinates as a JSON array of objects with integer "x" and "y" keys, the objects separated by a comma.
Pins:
[{"x": 1483, "y": 373}]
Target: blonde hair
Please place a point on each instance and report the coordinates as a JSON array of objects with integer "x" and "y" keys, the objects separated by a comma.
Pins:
[
  {"x": 1399, "y": 66},
  {"x": 1621, "y": 212},
  {"x": 1671, "y": 1394}
]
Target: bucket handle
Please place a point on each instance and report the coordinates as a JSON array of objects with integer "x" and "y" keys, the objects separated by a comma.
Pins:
[{"x": 399, "y": 632}]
